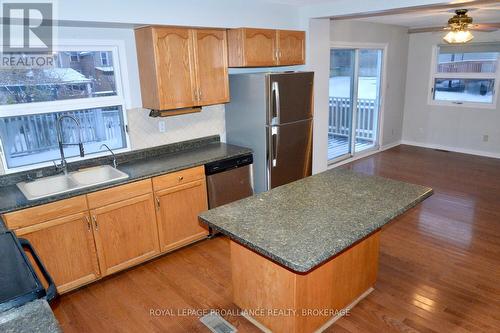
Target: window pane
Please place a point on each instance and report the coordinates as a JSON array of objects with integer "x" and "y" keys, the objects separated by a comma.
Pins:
[
  {"x": 61, "y": 76},
  {"x": 32, "y": 139},
  {"x": 478, "y": 91},
  {"x": 468, "y": 62}
]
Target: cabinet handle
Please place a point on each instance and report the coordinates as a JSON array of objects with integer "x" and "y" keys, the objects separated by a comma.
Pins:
[
  {"x": 88, "y": 223},
  {"x": 95, "y": 222},
  {"x": 200, "y": 94},
  {"x": 157, "y": 203}
]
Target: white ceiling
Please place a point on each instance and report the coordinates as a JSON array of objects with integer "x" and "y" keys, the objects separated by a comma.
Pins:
[
  {"x": 488, "y": 13},
  {"x": 299, "y": 3}
]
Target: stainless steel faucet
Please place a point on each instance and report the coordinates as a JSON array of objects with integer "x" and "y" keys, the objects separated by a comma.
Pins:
[
  {"x": 112, "y": 153},
  {"x": 64, "y": 165}
]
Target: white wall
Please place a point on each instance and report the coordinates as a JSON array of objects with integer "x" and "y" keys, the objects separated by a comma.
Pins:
[
  {"x": 448, "y": 127},
  {"x": 319, "y": 62},
  {"x": 396, "y": 38}
]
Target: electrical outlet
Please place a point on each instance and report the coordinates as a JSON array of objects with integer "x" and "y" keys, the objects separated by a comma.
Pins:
[
  {"x": 162, "y": 126},
  {"x": 486, "y": 138}
]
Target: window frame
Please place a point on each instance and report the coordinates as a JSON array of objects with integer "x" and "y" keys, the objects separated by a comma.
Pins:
[
  {"x": 121, "y": 99},
  {"x": 465, "y": 76}
]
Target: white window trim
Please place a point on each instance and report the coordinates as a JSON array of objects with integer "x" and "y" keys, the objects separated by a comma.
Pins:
[
  {"x": 464, "y": 104},
  {"x": 121, "y": 99}
]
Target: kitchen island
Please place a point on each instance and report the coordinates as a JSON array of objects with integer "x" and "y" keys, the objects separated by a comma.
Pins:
[{"x": 304, "y": 252}]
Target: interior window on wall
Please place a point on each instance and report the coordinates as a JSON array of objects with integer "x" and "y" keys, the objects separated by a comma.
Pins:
[{"x": 466, "y": 74}]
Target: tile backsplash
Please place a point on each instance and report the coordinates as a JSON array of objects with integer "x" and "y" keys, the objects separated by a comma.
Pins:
[{"x": 144, "y": 130}]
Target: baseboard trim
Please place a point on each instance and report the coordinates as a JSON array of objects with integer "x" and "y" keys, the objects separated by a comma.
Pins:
[
  {"x": 452, "y": 149},
  {"x": 363, "y": 155}
]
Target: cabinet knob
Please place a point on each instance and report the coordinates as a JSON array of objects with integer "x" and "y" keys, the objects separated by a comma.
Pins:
[{"x": 181, "y": 178}]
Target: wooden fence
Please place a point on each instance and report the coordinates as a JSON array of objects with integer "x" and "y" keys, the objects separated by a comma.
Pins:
[
  {"x": 340, "y": 119},
  {"x": 30, "y": 134}
]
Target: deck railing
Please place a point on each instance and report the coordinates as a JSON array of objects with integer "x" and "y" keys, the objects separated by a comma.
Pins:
[
  {"x": 340, "y": 122},
  {"x": 468, "y": 66},
  {"x": 37, "y": 133}
]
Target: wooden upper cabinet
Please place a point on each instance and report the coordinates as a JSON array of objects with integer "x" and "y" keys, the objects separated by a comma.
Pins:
[
  {"x": 175, "y": 68},
  {"x": 182, "y": 67},
  {"x": 249, "y": 47},
  {"x": 211, "y": 66},
  {"x": 252, "y": 47},
  {"x": 291, "y": 46}
]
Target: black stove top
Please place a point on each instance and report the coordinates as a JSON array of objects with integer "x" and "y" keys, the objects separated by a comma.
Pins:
[{"x": 19, "y": 283}]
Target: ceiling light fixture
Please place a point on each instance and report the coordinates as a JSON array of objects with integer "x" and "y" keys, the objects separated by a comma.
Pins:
[{"x": 459, "y": 26}]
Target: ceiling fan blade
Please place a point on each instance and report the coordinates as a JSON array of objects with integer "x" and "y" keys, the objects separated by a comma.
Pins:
[
  {"x": 425, "y": 29},
  {"x": 486, "y": 27}
]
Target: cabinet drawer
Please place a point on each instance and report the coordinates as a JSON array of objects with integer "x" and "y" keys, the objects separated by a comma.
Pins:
[
  {"x": 43, "y": 213},
  {"x": 178, "y": 178},
  {"x": 118, "y": 193}
]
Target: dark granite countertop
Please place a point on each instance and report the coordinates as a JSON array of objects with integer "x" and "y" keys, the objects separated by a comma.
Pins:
[
  {"x": 303, "y": 224},
  {"x": 138, "y": 165},
  {"x": 35, "y": 316}
]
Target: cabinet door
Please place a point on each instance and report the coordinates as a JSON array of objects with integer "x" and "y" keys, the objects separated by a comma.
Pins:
[
  {"x": 260, "y": 47},
  {"x": 291, "y": 45},
  {"x": 175, "y": 68},
  {"x": 125, "y": 233},
  {"x": 211, "y": 66},
  {"x": 177, "y": 212},
  {"x": 66, "y": 247}
]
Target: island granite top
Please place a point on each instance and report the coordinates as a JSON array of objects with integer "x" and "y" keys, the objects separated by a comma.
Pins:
[{"x": 303, "y": 224}]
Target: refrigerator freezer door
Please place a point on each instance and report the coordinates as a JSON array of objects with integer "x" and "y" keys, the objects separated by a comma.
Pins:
[
  {"x": 290, "y": 152},
  {"x": 290, "y": 97}
]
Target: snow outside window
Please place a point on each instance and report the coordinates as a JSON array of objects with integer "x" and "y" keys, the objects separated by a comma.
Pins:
[{"x": 465, "y": 75}]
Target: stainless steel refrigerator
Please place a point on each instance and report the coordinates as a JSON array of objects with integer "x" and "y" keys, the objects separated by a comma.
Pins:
[{"x": 272, "y": 114}]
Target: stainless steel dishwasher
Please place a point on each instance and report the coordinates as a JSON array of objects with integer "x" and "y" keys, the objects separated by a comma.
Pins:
[{"x": 229, "y": 180}]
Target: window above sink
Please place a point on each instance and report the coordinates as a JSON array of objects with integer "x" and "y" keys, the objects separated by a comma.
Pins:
[{"x": 82, "y": 80}]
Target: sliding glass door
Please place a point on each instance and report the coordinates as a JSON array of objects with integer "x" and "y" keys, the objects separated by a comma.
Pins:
[{"x": 354, "y": 94}]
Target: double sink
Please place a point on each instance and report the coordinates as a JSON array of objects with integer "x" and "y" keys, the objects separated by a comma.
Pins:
[{"x": 54, "y": 185}]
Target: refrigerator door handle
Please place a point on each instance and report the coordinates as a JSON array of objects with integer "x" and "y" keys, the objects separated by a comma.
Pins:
[
  {"x": 275, "y": 136},
  {"x": 276, "y": 113}
]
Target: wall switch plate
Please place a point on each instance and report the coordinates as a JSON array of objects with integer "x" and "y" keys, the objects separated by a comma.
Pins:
[
  {"x": 162, "y": 126},
  {"x": 486, "y": 138}
]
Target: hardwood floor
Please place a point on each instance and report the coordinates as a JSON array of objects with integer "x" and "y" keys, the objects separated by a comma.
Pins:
[{"x": 439, "y": 267}]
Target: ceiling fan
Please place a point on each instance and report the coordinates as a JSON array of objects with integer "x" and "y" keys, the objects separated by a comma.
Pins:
[{"x": 459, "y": 27}]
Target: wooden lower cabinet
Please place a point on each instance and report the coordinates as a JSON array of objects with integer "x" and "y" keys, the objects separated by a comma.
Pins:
[
  {"x": 125, "y": 233},
  {"x": 66, "y": 247},
  {"x": 177, "y": 214},
  {"x": 82, "y": 239}
]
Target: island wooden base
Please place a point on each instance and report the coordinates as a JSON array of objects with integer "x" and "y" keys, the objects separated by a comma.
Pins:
[{"x": 286, "y": 301}]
